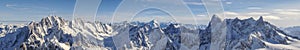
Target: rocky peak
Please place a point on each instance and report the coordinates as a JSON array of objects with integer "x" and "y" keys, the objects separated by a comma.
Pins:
[
  {"x": 153, "y": 23},
  {"x": 52, "y": 21},
  {"x": 215, "y": 19},
  {"x": 260, "y": 19}
]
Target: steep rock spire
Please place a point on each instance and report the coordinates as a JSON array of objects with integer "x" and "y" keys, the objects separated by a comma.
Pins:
[
  {"x": 214, "y": 20},
  {"x": 260, "y": 19}
]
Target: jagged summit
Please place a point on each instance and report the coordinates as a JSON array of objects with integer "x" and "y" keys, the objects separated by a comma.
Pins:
[
  {"x": 153, "y": 21},
  {"x": 260, "y": 19},
  {"x": 253, "y": 30},
  {"x": 215, "y": 18},
  {"x": 214, "y": 21},
  {"x": 53, "y": 21}
]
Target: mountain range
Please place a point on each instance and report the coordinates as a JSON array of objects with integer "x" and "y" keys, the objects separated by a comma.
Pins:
[{"x": 230, "y": 34}]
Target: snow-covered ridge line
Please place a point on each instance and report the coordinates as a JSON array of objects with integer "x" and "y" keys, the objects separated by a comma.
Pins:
[{"x": 56, "y": 33}]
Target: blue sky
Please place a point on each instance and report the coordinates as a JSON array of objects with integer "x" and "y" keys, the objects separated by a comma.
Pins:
[
  {"x": 279, "y": 12},
  {"x": 20, "y": 10}
]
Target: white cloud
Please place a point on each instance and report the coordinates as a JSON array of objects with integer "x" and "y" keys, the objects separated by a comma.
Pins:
[
  {"x": 194, "y": 3},
  {"x": 200, "y": 15},
  {"x": 272, "y": 17},
  {"x": 10, "y": 5},
  {"x": 254, "y": 8},
  {"x": 14, "y": 6},
  {"x": 278, "y": 10},
  {"x": 26, "y": 7},
  {"x": 287, "y": 11},
  {"x": 294, "y": 10},
  {"x": 228, "y": 2},
  {"x": 230, "y": 13},
  {"x": 266, "y": 15},
  {"x": 258, "y": 13}
]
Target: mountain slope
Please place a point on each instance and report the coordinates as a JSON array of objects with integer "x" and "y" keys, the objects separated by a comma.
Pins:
[{"x": 293, "y": 31}]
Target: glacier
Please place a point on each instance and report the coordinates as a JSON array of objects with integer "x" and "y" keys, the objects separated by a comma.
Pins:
[{"x": 230, "y": 34}]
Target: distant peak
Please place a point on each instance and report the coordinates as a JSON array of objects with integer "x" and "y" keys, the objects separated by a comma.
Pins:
[
  {"x": 236, "y": 18},
  {"x": 52, "y": 21},
  {"x": 260, "y": 19},
  {"x": 153, "y": 21},
  {"x": 175, "y": 25},
  {"x": 251, "y": 18},
  {"x": 214, "y": 15},
  {"x": 215, "y": 18},
  {"x": 51, "y": 18}
]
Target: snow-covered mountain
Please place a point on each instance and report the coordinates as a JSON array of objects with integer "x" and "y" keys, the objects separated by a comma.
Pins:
[
  {"x": 293, "y": 31},
  {"x": 230, "y": 34}
]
